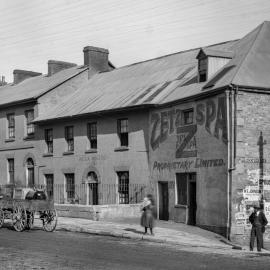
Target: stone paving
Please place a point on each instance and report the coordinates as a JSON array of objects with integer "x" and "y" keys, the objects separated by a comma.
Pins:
[{"x": 164, "y": 232}]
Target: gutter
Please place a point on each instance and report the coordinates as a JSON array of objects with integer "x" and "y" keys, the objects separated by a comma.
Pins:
[{"x": 21, "y": 102}]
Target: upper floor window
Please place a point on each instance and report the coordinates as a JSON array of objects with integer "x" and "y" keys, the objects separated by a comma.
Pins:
[
  {"x": 49, "y": 140},
  {"x": 11, "y": 125},
  {"x": 188, "y": 117},
  {"x": 203, "y": 69},
  {"x": 11, "y": 170},
  {"x": 30, "y": 128},
  {"x": 69, "y": 138},
  {"x": 122, "y": 126},
  {"x": 92, "y": 135}
]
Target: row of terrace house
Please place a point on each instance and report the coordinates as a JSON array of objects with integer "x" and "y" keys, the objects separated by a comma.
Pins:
[{"x": 190, "y": 128}]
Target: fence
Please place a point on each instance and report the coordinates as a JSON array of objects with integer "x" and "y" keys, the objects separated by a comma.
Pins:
[{"x": 91, "y": 194}]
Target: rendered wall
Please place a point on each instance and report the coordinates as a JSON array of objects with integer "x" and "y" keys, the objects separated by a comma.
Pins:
[
  {"x": 20, "y": 148},
  {"x": 252, "y": 118},
  {"x": 108, "y": 159},
  {"x": 199, "y": 148}
]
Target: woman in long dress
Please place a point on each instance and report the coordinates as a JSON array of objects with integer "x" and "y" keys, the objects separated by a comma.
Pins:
[{"x": 147, "y": 218}]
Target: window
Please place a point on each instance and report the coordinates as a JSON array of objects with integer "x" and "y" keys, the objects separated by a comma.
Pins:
[
  {"x": 11, "y": 125},
  {"x": 203, "y": 69},
  {"x": 123, "y": 190},
  {"x": 181, "y": 188},
  {"x": 69, "y": 138},
  {"x": 122, "y": 126},
  {"x": 70, "y": 187},
  {"x": 49, "y": 140},
  {"x": 11, "y": 171},
  {"x": 49, "y": 184},
  {"x": 92, "y": 135},
  {"x": 30, "y": 128},
  {"x": 30, "y": 172},
  {"x": 188, "y": 117}
]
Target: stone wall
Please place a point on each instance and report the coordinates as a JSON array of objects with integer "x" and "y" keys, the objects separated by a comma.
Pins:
[
  {"x": 100, "y": 212},
  {"x": 253, "y": 117}
]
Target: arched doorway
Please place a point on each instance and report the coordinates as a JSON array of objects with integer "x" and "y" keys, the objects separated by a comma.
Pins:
[
  {"x": 92, "y": 181},
  {"x": 30, "y": 172}
]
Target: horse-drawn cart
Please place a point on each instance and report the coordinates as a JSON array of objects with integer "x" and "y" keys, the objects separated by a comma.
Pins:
[{"x": 22, "y": 209}]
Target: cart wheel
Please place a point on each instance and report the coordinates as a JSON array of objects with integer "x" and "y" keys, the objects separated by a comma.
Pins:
[
  {"x": 2, "y": 218},
  {"x": 49, "y": 220},
  {"x": 30, "y": 220},
  {"x": 19, "y": 218}
]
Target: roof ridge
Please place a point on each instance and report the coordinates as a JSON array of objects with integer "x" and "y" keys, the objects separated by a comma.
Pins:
[
  {"x": 184, "y": 51},
  {"x": 248, "y": 51}
]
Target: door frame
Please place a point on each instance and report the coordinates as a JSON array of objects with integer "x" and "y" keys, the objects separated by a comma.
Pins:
[{"x": 159, "y": 184}]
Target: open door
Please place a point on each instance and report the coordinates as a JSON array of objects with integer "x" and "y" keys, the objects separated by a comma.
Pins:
[
  {"x": 192, "y": 207},
  {"x": 163, "y": 200}
]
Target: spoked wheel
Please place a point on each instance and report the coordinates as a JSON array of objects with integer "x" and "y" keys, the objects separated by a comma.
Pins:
[
  {"x": 2, "y": 218},
  {"x": 19, "y": 218},
  {"x": 30, "y": 220},
  {"x": 49, "y": 220}
]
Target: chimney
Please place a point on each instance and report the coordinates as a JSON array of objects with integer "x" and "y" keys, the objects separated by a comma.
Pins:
[
  {"x": 20, "y": 75},
  {"x": 96, "y": 58},
  {"x": 56, "y": 66},
  {"x": 2, "y": 81}
]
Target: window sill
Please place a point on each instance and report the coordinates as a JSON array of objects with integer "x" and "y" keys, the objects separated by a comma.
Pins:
[
  {"x": 10, "y": 140},
  {"x": 121, "y": 149},
  {"x": 180, "y": 206},
  {"x": 90, "y": 151},
  {"x": 47, "y": 155},
  {"x": 29, "y": 137},
  {"x": 68, "y": 153}
]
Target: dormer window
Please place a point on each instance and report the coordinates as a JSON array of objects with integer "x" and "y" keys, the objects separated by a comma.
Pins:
[
  {"x": 202, "y": 69},
  {"x": 210, "y": 61}
]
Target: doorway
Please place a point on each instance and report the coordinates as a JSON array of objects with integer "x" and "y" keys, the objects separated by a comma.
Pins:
[
  {"x": 92, "y": 180},
  {"x": 192, "y": 207},
  {"x": 163, "y": 191}
]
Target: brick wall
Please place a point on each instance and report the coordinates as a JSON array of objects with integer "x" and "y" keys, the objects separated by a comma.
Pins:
[{"x": 253, "y": 117}]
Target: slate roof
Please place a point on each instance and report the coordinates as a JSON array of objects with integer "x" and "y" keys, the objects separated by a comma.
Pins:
[
  {"x": 138, "y": 84},
  {"x": 170, "y": 78},
  {"x": 32, "y": 88},
  {"x": 250, "y": 65}
]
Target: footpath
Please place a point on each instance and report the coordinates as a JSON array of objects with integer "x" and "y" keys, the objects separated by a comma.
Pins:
[{"x": 167, "y": 232}]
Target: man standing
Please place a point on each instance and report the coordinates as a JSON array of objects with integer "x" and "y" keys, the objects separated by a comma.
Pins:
[{"x": 258, "y": 221}]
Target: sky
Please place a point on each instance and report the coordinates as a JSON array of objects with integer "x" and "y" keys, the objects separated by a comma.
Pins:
[{"x": 35, "y": 31}]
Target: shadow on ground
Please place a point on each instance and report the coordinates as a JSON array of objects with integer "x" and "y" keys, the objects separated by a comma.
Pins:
[{"x": 133, "y": 230}]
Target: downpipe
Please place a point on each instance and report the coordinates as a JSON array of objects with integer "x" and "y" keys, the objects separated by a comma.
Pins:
[{"x": 231, "y": 152}]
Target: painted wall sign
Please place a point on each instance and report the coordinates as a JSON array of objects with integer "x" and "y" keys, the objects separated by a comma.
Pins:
[
  {"x": 211, "y": 114},
  {"x": 92, "y": 158},
  {"x": 188, "y": 164},
  {"x": 251, "y": 160},
  {"x": 186, "y": 142},
  {"x": 185, "y": 165}
]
